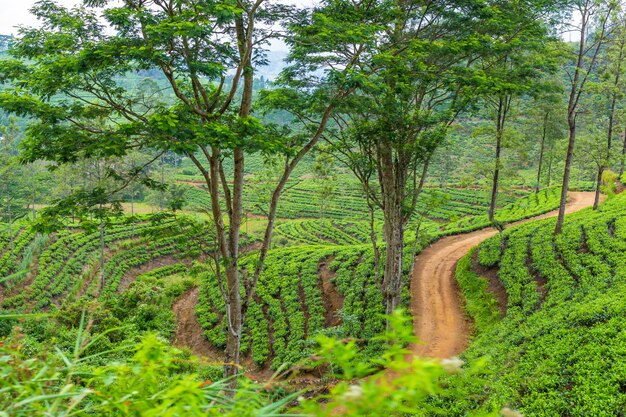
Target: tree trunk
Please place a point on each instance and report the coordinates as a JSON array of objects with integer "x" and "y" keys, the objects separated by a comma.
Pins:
[
  {"x": 394, "y": 238},
  {"x": 621, "y": 169},
  {"x": 322, "y": 221},
  {"x": 609, "y": 142},
  {"x": 11, "y": 236},
  {"x": 571, "y": 121},
  {"x": 543, "y": 145},
  {"x": 550, "y": 159},
  {"x": 234, "y": 305},
  {"x": 11, "y": 239},
  {"x": 392, "y": 174},
  {"x": 234, "y": 320},
  {"x": 34, "y": 198},
  {"x": 414, "y": 249},
  {"x": 596, "y": 201},
  {"x": 496, "y": 178},
  {"x": 102, "y": 261},
  {"x": 501, "y": 115},
  {"x": 132, "y": 215},
  {"x": 374, "y": 237}
]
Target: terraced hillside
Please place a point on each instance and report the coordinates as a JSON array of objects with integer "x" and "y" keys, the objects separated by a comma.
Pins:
[
  {"x": 301, "y": 199},
  {"x": 327, "y": 279},
  {"x": 559, "y": 349},
  {"x": 67, "y": 267},
  {"x": 319, "y": 278}
]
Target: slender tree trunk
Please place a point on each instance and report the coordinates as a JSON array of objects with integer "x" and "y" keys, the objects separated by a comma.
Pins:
[
  {"x": 621, "y": 168},
  {"x": 374, "y": 237},
  {"x": 596, "y": 200},
  {"x": 322, "y": 221},
  {"x": 11, "y": 235},
  {"x": 102, "y": 260},
  {"x": 414, "y": 249},
  {"x": 34, "y": 198},
  {"x": 234, "y": 303},
  {"x": 550, "y": 159},
  {"x": 132, "y": 215},
  {"x": 571, "y": 121},
  {"x": 609, "y": 142},
  {"x": 162, "y": 197},
  {"x": 501, "y": 115},
  {"x": 543, "y": 144}
]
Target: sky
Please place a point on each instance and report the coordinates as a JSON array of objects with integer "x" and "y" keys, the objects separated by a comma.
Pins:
[{"x": 15, "y": 12}]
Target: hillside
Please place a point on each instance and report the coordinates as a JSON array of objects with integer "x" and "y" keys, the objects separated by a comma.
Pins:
[
  {"x": 558, "y": 348},
  {"x": 266, "y": 208}
]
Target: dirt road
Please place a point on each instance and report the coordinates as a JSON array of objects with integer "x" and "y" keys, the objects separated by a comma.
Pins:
[{"x": 440, "y": 322}]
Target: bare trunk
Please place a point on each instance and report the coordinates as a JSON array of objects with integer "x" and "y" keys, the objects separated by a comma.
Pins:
[
  {"x": 374, "y": 238},
  {"x": 596, "y": 201},
  {"x": 102, "y": 261},
  {"x": 566, "y": 173},
  {"x": 11, "y": 235},
  {"x": 621, "y": 168},
  {"x": 34, "y": 199},
  {"x": 496, "y": 178},
  {"x": 322, "y": 221},
  {"x": 234, "y": 304},
  {"x": 550, "y": 159},
  {"x": 501, "y": 118},
  {"x": 609, "y": 140},
  {"x": 11, "y": 238},
  {"x": 132, "y": 215},
  {"x": 541, "y": 152},
  {"x": 162, "y": 197},
  {"x": 414, "y": 249}
]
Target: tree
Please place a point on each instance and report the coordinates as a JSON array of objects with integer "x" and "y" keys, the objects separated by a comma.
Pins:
[
  {"x": 520, "y": 39},
  {"x": 592, "y": 31},
  {"x": 611, "y": 86},
  {"x": 545, "y": 122},
  {"x": 427, "y": 72},
  {"x": 71, "y": 74}
]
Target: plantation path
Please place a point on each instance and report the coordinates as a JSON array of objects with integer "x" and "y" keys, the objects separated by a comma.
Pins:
[
  {"x": 440, "y": 322},
  {"x": 189, "y": 332}
]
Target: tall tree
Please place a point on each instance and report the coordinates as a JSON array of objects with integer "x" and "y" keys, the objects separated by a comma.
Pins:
[
  {"x": 592, "y": 35},
  {"x": 426, "y": 67},
  {"x": 70, "y": 74},
  {"x": 517, "y": 69},
  {"x": 545, "y": 125},
  {"x": 611, "y": 86}
]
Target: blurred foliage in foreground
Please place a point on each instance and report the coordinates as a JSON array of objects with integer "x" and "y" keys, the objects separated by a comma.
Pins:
[{"x": 154, "y": 382}]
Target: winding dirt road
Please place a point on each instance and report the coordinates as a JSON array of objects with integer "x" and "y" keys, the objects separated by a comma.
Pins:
[{"x": 440, "y": 322}]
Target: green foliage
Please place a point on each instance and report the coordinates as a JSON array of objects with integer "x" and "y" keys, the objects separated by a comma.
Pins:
[
  {"x": 153, "y": 379},
  {"x": 480, "y": 304},
  {"x": 150, "y": 383},
  {"x": 558, "y": 350},
  {"x": 289, "y": 308},
  {"x": 609, "y": 185}
]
